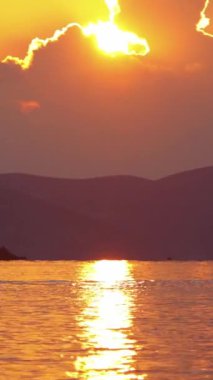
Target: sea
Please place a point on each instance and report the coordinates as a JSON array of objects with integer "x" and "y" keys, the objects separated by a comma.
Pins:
[{"x": 106, "y": 320}]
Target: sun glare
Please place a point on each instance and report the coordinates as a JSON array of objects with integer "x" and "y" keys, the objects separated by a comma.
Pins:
[
  {"x": 112, "y": 40},
  {"x": 110, "y": 271},
  {"x": 105, "y": 325},
  {"x": 204, "y": 21},
  {"x": 109, "y": 37}
]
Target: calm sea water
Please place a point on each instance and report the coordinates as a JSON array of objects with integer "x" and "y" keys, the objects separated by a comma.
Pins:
[{"x": 106, "y": 320}]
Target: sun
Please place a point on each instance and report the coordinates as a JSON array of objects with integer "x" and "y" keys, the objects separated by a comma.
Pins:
[
  {"x": 111, "y": 39},
  {"x": 114, "y": 41}
]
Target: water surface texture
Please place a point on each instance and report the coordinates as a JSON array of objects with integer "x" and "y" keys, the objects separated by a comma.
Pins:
[{"x": 106, "y": 320}]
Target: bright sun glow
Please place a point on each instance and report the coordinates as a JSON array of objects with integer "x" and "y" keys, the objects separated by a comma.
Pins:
[
  {"x": 110, "y": 271},
  {"x": 109, "y": 37},
  {"x": 204, "y": 21},
  {"x": 111, "y": 40}
]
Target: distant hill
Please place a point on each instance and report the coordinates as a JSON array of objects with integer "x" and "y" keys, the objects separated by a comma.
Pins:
[
  {"x": 5, "y": 255},
  {"x": 121, "y": 217}
]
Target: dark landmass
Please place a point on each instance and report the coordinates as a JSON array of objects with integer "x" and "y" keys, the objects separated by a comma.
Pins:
[
  {"x": 6, "y": 255},
  {"x": 111, "y": 217}
]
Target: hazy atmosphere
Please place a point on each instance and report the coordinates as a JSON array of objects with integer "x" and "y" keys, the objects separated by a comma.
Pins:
[
  {"x": 78, "y": 112},
  {"x": 106, "y": 189}
]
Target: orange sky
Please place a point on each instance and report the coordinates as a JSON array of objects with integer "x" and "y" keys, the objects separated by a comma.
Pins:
[
  {"x": 162, "y": 22},
  {"x": 23, "y": 20},
  {"x": 77, "y": 112}
]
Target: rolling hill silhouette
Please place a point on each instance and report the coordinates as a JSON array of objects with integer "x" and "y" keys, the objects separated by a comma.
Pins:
[{"x": 110, "y": 217}]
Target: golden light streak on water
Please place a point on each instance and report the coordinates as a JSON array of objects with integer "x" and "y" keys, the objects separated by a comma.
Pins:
[
  {"x": 58, "y": 320},
  {"x": 107, "y": 319}
]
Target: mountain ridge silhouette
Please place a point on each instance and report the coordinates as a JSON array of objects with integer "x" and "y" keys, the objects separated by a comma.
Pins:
[{"x": 108, "y": 217}]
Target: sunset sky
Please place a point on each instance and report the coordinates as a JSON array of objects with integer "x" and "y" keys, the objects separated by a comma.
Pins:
[{"x": 79, "y": 112}]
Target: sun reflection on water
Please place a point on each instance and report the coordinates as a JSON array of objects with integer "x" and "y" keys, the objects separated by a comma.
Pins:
[
  {"x": 110, "y": 272},
  {"x": 109, "y": 350}
]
